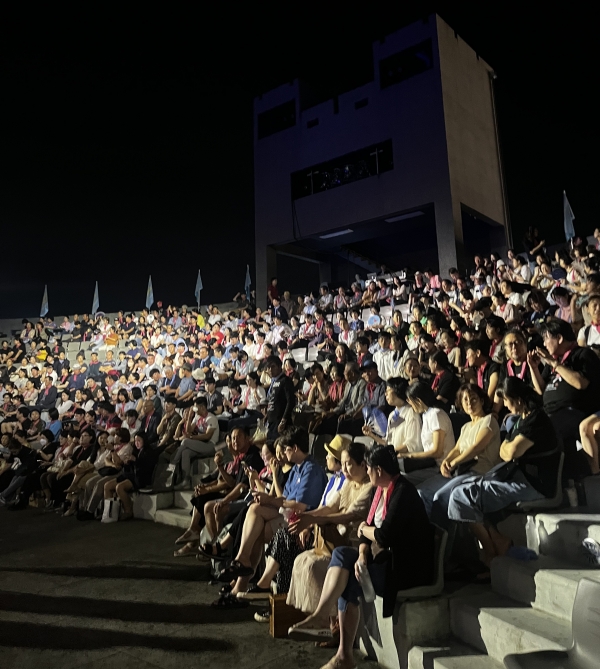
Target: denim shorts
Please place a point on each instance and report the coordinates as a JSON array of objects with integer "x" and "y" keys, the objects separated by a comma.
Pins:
[{"x": 346, "y": 557}]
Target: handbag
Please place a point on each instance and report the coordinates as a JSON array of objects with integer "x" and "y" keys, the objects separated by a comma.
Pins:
[{"x": 112, "y": 508}]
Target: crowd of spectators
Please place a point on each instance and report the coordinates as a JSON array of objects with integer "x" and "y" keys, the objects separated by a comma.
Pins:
[{"x": 431, "y": 399}]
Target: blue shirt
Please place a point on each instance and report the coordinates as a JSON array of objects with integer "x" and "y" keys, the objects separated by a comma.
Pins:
[
  {"x": 55, "y": 427},
  {"x": 334, "y": 485},
  {"x": 306, "y": 483}
]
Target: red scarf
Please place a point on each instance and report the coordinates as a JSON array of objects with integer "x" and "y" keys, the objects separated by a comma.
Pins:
[
  {"x": 493, "y": 348},
  {"x": 377, "y": 498},
  {"x": 480, "y": 373},
  {"x": 436, "y": 381},
  {"x": 511, "y": 371},
  {"x": 565, "y": 356}
]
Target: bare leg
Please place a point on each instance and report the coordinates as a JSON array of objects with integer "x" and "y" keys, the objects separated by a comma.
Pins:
[
  {"x": 109, "y": 489},
  {"x": 271, "y": 570},
  {"x": 588, "y": 430},
  {"x": 348, "y": 628},
  {"x": 252, "y": 531},
  {"x": 241, "y": 585},
  {"x": 210, "y": 519},
  {"x": 335, "y": 583},
  {"x": 123, "y": 489},
  {"x": 483, "y": 536},
  {"x": 501, "y": 543}
]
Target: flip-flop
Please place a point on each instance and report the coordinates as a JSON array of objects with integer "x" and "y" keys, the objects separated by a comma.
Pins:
[{"x": 229, "y": 602}]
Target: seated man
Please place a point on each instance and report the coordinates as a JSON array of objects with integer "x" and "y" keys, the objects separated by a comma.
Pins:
[
  {"x": 199, "y": 434},
  {"x": 302, "y": 492}
]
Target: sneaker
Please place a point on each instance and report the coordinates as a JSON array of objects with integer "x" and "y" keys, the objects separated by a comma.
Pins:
[
  {"x": 255, "y": 593},
  {"x": 262, "y": 616},
  {"x": 592, "y": 547}
]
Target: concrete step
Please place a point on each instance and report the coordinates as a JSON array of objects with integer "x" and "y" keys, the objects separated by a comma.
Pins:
[
  {"x": 468, "y": 662},
  {"x": 499, "y": 626},
  {"x": 423, "y": 657},
  {"x": 175, "y": 517},
  {"x": 146, "y": 506},
  {"x": 559, "y": 535},
  {"x": 592, "y": 493},
  {"x": 182, "y": 499},
  {"x": 549, "y": 585}
]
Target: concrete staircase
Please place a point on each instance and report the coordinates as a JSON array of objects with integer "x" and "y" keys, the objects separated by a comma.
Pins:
[{"x": 527, "y": 607}]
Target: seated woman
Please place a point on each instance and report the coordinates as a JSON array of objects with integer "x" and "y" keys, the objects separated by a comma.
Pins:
[
  {"x": 476, "y": 452},
  {"x": 334, "y": 524},
  {"x": 445, "y": 383},
  {"x": 137, "y": 474},
  {"x": 531, "y": 453},
  {"x": 404, "y": 423},
  {"x": 85, "y": 471},
  {"x": 437, "y": 435},
  {"x": 589, "y": 429},
  {"x": 114, "y": 461},
  {"x": 396, "y": 547}
]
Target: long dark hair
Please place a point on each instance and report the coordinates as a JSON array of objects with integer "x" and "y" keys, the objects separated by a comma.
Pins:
[
  {"x": 515, "y": 389},
  {"x": 384, "y": 457}
]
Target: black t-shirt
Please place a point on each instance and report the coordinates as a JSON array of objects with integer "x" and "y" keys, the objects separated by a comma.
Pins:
[
  {"x": 490, "y": 368},
  {"x": 448, "y": 387},
  {"x": 254, "y": 460},
  {"x": 214, "y": 401},
  {"x": 561, "y": 395},
  {"x": 539, "y": 469},
  {"x": 510, "y": 368}
]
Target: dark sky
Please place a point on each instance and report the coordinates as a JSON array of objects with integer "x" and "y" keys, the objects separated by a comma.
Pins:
[{"x": 126, "y": 146}]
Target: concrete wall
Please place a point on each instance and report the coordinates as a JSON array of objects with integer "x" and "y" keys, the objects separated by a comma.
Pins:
[{"x": 428, "y": 166}]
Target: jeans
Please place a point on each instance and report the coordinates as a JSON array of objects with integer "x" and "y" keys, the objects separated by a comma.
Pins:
[
  {"x": 435, "y": 493},
  {"x": 477, "y": 496},
  {"x": 12, "y": 487},
  {"x": 346, "y": 557}
]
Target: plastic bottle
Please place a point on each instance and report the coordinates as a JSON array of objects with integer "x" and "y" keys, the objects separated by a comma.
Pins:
[
  {"x": 572, "y": 494},
  {"x": 366, "y": 584}
]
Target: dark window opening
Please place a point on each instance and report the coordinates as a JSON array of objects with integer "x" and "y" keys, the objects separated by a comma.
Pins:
[
  {"x": 277, "y": 119},
  {"x": 361, "y": 164},
  {"x": 405, "y": 64}
]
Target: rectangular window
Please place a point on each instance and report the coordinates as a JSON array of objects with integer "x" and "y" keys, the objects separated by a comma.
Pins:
[
  {"x": 361, "y": 164},
  {"x": 277, "y": 119},
  {"x": 405, "y": 64}
]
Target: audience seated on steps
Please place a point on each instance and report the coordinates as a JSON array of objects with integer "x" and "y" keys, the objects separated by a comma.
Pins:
[
  {"x": 231, "y": 486},
  {"x": 136, "y": 474},
  {"x": 397, "y": 517},
  {"x": 530, "y": 454},
  {"x": 302, "y": 492},
  {"x": 198, "y": 434},
  {"x": 476, "y": 452},
  {"x": 286, "y": 545}
]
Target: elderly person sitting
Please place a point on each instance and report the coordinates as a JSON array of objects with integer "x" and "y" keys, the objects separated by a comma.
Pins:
[{"x": 397, "y": 521}]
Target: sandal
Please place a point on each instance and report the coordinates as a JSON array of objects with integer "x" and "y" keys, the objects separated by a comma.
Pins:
[
  {"x": 235, "y": 570},
  {"x": 186, "y": 551},
  {"x": 229, "y": 602},
  {"x": 207, "y": 549}
]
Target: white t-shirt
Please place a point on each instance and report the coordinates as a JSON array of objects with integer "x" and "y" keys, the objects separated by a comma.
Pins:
[
  {"x": 436, "y": 419},
  {"x": 593, "y": 336},
  {"x": 404, "y": 429}
]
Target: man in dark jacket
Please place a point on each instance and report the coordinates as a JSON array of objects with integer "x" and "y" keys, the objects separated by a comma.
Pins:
[
  {"x": 281, "y": 398},
  {"x": 24, "y": 461}
]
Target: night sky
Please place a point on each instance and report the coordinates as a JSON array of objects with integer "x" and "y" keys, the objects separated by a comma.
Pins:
[{"x": 126, "y": 144}]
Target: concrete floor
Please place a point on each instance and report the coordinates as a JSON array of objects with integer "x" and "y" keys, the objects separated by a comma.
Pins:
[{"x": 76, "y": 594}]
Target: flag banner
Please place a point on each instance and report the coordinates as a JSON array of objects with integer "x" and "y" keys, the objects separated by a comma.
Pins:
[
  {"x": 199, "y": 287},
  {"x": 96, "y": 302},
  {"x": 44, "y": 309},
  {"x": 569, "y": 217},
  {"x": 248, "y": 283},
  {"x": 149, "y": 294}
]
